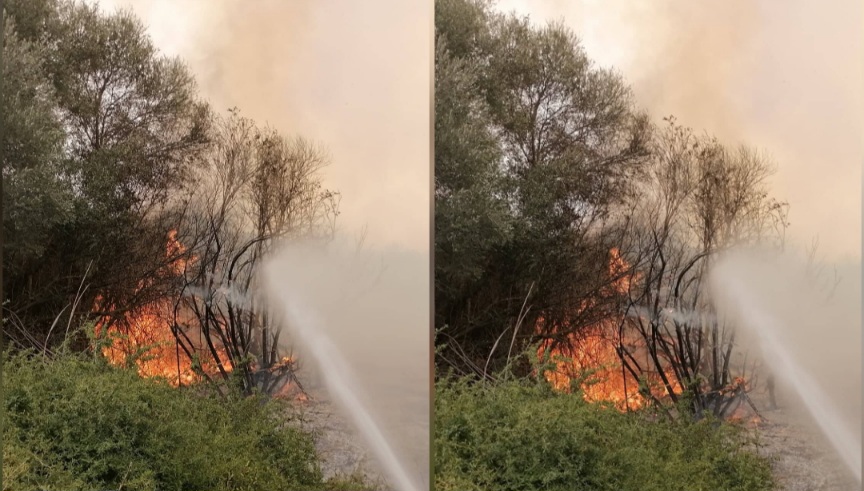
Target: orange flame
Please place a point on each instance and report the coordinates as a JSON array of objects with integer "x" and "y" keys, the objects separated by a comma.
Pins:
[
  {"x": 591, "y": 356},
  {"x": 150, "y": 338}
]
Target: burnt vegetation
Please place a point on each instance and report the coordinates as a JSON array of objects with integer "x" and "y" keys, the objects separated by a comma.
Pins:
[{"x": 573, "y": 239}]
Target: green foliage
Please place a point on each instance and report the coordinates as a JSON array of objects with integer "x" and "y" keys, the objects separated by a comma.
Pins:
[
  {"x": 35, "y": 201},
  {"x": 75, "y": 422},
  {"x": 533, "y": 146},
  {"x": 33, "y": 18},
  {"x": 521, "y": 435},
  {"x": 465, "y": 26},
  {"x": 132, "y": 113},
  {"x": 471, "y": 218},
  {"x": 99, "y": 129}
]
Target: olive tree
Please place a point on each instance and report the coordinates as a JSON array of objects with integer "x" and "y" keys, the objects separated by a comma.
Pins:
[
  {"x": 117, "y": 126},
  {"x": 534, "y": 145}
]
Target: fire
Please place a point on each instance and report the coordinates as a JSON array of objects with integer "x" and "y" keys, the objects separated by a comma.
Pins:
[
  {"x": 591, "y": 355},
  {"x": 291, "y": 389},
  {"x": 176, "y": 250},
  {"x": 595, "y": 355},
  {"x": 744, "y": 412},
  {"x": 147, "y": 332}
]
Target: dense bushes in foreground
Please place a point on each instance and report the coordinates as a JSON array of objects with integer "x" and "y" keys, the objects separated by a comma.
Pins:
[
  {"x": 517, "y": 435},
  {"x": 74, "y": 422}
]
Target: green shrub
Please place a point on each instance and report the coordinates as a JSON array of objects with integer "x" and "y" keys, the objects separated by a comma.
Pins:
[
  {"x": 518, "y": 435},
  {"x": 77, "y": 423}
]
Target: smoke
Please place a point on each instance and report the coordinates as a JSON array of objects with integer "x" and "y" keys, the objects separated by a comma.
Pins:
[
  {"x": 783, "y": 77},
  {"x": 807, "y": 330},
  {"x": 354, "y": 76},
  {"x": 681, "y": 316},
  {"x": 355, "y": 314}
]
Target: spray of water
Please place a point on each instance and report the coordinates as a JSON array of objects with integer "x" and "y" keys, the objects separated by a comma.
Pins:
[
  {"x": 788, "y": 320},
  {"x": 360, "y": 319},
  {"x": 340, "y": 383}
]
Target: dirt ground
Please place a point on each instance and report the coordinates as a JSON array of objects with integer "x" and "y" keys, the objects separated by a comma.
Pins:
[
  {"x": 344, "y": 453},
  {"x": 802, "y": 458}
]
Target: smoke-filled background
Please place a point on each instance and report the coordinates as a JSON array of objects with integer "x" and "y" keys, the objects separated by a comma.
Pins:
[
  {"x": 356, "y": 78},
  {"x": 784, "y": 77},
  {"x": 805, "y": 326}
]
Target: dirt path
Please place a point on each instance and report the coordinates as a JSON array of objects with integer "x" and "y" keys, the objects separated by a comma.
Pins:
[
  {"x": 344, "y": 453},
  {"x": 802, "y": 458}
]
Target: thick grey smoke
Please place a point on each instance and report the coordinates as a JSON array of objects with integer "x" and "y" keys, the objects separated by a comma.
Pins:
[{"x": 783, "y": 76}]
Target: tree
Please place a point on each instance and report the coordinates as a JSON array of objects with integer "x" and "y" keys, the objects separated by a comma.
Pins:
[
  {"x": 256, "y": 188},
  {"x": 698, "y": 199},
  {"x": 472, "y": 219},
  {"x": 550, "y": 142},
  {"x": 130, "y": 128},
  {"x": 36, "y": 203}
]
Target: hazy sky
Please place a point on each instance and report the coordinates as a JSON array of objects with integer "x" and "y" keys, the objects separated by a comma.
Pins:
[
  {"x": 783, "y": 76},
  {"x": 354, "y": 76}
]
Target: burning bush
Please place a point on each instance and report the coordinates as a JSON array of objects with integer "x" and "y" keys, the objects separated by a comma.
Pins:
[
  {"x": 593, "y": 353},
  {"x": 255, "y": 187},
  {"x": 145, "y": 334},
  {"x": 592, "y": 357}
]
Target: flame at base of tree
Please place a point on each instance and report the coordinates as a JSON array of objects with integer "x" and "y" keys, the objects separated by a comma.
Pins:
[
  {"x": 591, "y": 355},
  {"x": 591, "y": 358},
  {"x": 291, "y": 390},
  {"x": 146, "y": 334}
]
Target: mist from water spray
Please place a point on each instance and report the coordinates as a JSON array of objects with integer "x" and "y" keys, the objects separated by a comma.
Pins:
[
  {"x": 340, "y": 383},
  {"x": 362, "y": 317},
  {"x": 782, "y": 314}
]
